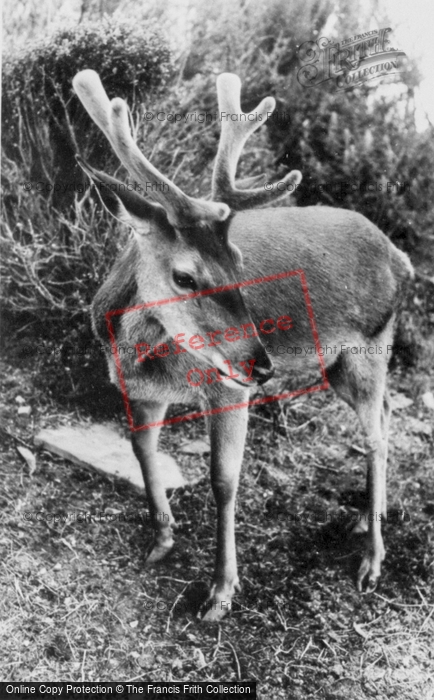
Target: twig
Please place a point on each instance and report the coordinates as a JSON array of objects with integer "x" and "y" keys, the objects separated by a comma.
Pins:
[
  {"x": 329, "y": 469},
  {"x": 82, "y": 665},
  {"x": 219, "y": 636},
  {"x": 15, "y": 437},
  {"x": 265, "y": 420},
  {"x": 178, "y": 597},
  {"x": 428, "y": 617},
  {"x": 303, "y": 425},
  {"x": 424, "y": 278},
  {"x": 236, "y": 658}
]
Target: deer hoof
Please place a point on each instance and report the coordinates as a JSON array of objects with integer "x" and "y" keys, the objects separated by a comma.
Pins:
[
  {"x": 218, "y": 604},
  {"x": 369, "y": 573},
  {"x": 213, "y": 614},
  {"x": 158, "y": 551}
]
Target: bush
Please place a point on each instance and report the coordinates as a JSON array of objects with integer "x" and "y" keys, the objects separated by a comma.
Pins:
[
  {"x": 52, "y": 262},
  {"x": 361, "y": 152},
  {"x": 44, "y": 124},
  {"x": 51, "y": 268},
  {"x": 348, "y": 145}
]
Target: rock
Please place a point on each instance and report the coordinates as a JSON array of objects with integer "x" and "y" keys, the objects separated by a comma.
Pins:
[
  {"x": 146, "y": 660},
  {"x": 194, "y": 472},
  {"x": 199, "y": 658},
  {"x": 195, "y": 447},
  {"x": 24, "y": 411},
  {"x": 282, "y": 476},
  {"x": 19, "y": 400},
  {"x": 418, "y": 427},
  {"x": 360, "y": 630},
  {"x": 358, "y": 449},
  {"x": 29, "y": 457},
  {"x": 101, "y": 447},
  {"x": 428, "y": 399},
  {"x": 399, "y": 401}
]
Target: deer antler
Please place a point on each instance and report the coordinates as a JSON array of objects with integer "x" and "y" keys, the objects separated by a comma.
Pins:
[
  {"x": 112, "y": 119},
  {"x": 234, "y": 134}
]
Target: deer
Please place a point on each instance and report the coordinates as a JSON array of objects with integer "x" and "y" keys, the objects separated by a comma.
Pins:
[{"x": 182, "y": 247}]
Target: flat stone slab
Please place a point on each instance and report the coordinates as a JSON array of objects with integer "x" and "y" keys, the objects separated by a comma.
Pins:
[{"x": 100, "y": 446}]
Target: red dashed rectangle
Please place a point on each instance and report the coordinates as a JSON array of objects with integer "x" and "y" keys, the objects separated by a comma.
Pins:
[{"x": 206, "y": 292}]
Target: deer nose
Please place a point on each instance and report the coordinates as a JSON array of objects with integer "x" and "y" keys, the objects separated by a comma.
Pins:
[{"x": 262, "y": 374}]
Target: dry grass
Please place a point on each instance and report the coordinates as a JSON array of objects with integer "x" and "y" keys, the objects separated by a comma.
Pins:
[{"x": 77, "y": 602}]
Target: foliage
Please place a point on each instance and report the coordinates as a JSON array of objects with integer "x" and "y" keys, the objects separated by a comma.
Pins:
[
  {"x": 131, "y": 60},
  {"x": 51, "y": 267},
  {"x": 349, "y": 159},
  {"x": 44, "y": 124},
  {"x": 54, "y": 261},
  {"x": 348, "y": 145}
]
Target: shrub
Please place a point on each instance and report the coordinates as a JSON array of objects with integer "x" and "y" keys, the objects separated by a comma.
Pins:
[
  {"x": 361, "y": 152},
  {"x": 51, "y": 268},
  {"x": 53, "y": 262},
  {"x": 343, "y": 142},
  {"x": 44, "y": 124}
]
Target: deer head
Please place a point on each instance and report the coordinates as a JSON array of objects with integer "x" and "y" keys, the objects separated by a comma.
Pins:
[{"x": 182, "y": 242}]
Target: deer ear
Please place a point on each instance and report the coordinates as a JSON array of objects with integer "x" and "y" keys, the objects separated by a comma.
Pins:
[{"x": 125, "y": 205}]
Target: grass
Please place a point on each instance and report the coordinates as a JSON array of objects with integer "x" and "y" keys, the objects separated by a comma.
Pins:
[{"x": 77, "y": 602}]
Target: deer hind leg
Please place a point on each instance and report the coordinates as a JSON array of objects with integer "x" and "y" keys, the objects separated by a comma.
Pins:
[
  {"x": 152, "y": 462},
  {"x": 361, "y": 381},
  {"x": 370, "y": 413},
  {"x": 362, "y": 524},
  {"x": 228, "y": 432},
  {"x": 385, "y": 422}
]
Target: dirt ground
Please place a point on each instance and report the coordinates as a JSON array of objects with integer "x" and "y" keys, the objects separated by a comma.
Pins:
[{"x": 77, "y": 602}]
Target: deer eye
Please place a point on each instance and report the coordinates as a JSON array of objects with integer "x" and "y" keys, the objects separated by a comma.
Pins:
[{"x": 184, "y": 280}]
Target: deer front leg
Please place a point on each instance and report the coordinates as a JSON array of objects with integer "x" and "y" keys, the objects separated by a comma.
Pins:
[
  {"x": 152, "y": 464},
  {"x": 228, "y": 433}
]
